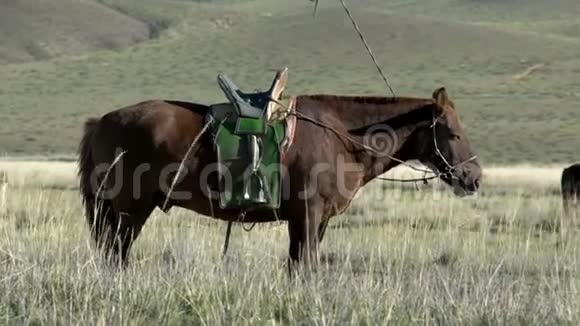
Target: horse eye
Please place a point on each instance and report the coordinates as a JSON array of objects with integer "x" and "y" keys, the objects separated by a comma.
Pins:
[{"x": 455, "y": 137}]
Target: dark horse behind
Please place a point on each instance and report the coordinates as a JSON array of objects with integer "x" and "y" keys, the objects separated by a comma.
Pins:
[
  {"x": 570, "y": 186},
  {"x": 129, "y": 159}
]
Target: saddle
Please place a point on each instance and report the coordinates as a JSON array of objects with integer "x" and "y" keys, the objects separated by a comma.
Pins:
[{"x": 251, "y": 133}]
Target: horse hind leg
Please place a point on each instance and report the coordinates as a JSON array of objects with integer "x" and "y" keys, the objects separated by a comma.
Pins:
[
  {"x": 101, "y": 222},
  {"x": 130, "y": 222},
  {"x": 115, "y": 227}
]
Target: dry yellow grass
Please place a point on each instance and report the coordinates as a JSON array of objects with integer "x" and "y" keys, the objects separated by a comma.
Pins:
[
  {"x": 39, "y": 173},
  {"x": 397, "y": 256}
]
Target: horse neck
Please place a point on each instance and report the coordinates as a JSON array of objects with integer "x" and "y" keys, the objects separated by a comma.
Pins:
[
  {"x": 397, "y": 118},
  {"x": 355, "y": 112}
]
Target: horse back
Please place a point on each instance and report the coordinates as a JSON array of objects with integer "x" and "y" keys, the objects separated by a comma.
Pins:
[{"x": 166, "y": 128}]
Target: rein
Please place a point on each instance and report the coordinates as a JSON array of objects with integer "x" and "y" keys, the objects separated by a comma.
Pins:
[
  {"x": 356, "y": 142},
  {"x": 351, "y": 139},
  {"x": 449, "y": 169}
]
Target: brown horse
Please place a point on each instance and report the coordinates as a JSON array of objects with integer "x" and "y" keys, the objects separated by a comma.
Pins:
[{"x": 341, "y": 143}]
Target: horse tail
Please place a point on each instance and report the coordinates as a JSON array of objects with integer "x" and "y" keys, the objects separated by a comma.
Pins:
[
  {"x": 98, "y": 213},
  {"x": 86, "y": 168}
]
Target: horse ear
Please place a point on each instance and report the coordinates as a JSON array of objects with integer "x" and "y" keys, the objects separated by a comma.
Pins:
[{"x": 440, "y": 96}]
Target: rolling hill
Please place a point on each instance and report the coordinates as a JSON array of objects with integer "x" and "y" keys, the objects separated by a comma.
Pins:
[
  {"x": 475, "y": 48},
  {"x": 36, "y": 30}
]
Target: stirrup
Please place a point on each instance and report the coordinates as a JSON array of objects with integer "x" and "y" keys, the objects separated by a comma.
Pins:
[{"x": 262, "y": 197}]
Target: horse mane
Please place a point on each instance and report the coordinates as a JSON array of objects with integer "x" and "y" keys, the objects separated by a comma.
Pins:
[
  {"x": 360, "y": 99},
  {"x": 362, "y": 112}
]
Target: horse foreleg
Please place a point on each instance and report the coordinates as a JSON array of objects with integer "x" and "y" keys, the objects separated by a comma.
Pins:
[{"x": 304, "y": 234}]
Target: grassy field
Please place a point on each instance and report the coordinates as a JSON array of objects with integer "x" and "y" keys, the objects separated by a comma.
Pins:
[
  {"x": 475, "y": 48},
  {"x": 397, "y": 255}
]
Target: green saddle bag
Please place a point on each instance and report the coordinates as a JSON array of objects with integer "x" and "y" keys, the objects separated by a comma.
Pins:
[{"x": 242, "y": 185}]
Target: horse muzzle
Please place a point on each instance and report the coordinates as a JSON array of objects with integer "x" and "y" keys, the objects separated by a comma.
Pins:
[{"x": 466, "y": 183}]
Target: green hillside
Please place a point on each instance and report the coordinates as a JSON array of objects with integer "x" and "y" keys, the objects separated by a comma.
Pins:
[{"x": 475, "y": 48}]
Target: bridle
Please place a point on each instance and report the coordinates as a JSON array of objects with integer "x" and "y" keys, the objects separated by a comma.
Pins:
[{"x": 449, "y": 169}]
